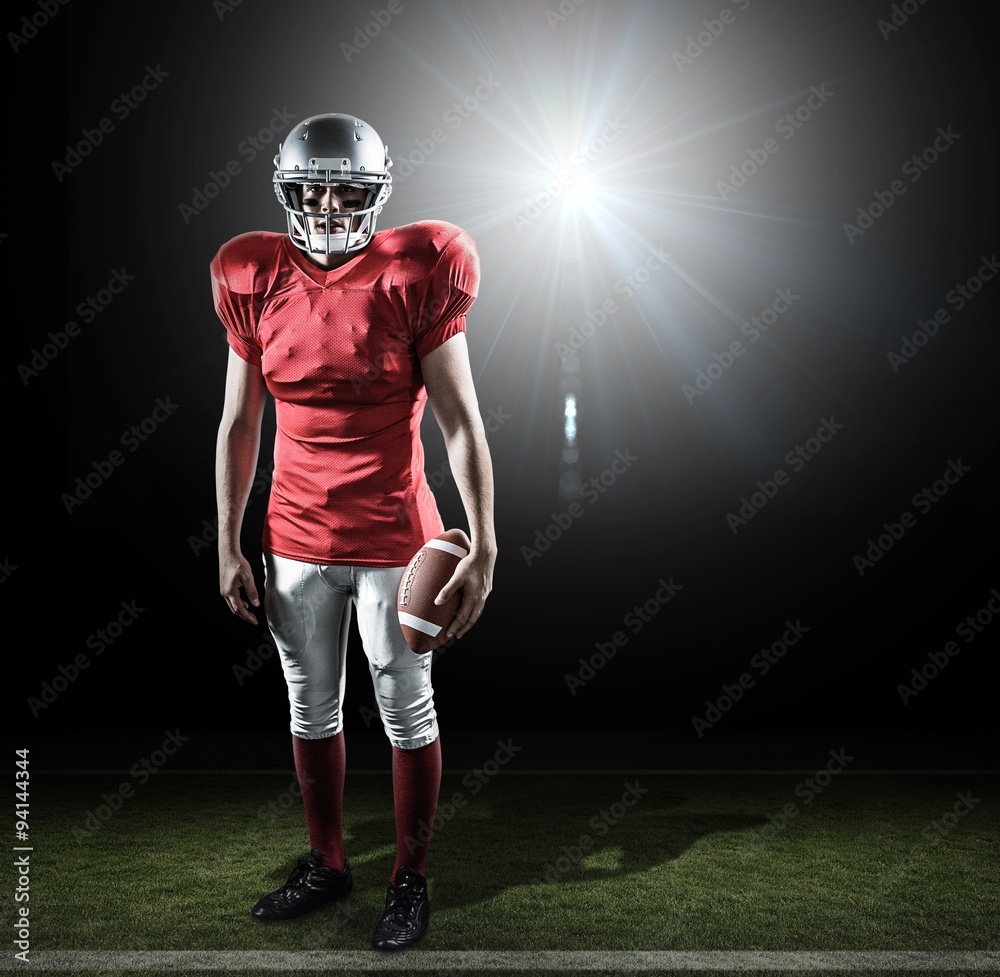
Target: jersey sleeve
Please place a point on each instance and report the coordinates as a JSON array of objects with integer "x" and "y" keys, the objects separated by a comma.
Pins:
[
  {"x": 452, "y": 288},
  {"x": 236, "y": 311}
]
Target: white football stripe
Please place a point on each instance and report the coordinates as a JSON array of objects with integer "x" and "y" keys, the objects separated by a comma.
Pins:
[
  {"x": 419, "y": 624},
  {"x": 443, "y": 544},
  {"x": 520, "y": 961}
]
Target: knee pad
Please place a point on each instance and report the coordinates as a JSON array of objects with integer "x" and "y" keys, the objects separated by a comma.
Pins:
[{"x": 405, "y": 701}]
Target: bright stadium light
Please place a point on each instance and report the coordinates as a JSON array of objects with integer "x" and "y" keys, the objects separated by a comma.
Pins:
[
  {"x": 569, "y": 420},
  {"x": 579, "y": 191}
]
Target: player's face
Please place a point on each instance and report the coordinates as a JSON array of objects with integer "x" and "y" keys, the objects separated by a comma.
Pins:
[{"x": 333, "y": 202}]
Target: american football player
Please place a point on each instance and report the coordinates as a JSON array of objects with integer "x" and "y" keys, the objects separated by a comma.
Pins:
[{"x": 351, "y": 330}]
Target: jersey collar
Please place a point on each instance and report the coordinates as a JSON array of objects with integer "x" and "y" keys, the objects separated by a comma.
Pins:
[{"x": 321, "y": 276}]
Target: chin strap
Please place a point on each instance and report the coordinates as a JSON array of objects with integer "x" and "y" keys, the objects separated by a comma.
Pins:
[{"x": 336, "y": 243}]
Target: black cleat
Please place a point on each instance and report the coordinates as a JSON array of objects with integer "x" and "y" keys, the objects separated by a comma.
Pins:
[
  {"x": 407, "y": 912},
  {"x": 310, "y": 886}
]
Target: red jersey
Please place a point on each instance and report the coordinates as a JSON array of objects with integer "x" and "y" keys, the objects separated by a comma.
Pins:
[{"x": 340, "y": 353}]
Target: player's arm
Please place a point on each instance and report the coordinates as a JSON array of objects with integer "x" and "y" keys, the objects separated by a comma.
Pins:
[
  {"x": 452, "y": 396},
  {"x": 235, "y": 465}
]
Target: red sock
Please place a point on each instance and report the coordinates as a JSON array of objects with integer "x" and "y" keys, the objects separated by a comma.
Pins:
[
  {"x": 416, "y": 783},
  {"x": 320, "y": 766}
]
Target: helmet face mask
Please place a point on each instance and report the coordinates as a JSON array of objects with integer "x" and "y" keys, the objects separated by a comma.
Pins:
[
  {"x": 332, "y": 150},
  {"x": 312, "y": 229}
]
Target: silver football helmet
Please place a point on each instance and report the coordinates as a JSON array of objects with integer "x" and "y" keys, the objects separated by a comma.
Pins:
[{"x": 332, "y": 149}]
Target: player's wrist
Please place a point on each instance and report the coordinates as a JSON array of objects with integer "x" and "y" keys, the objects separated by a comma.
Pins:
[
  {"x": 230, "y": 550},
  {"x": 484, "y": 537},
  {"x": 483, "y": 548}
]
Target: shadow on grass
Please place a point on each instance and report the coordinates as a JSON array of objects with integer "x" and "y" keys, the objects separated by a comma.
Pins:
[{"x": 540, "y": 831}]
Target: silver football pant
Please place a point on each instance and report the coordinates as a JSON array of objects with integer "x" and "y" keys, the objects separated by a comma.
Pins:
[{"x": 308, "y": 609}]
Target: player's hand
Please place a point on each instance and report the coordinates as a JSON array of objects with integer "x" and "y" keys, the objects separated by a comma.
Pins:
[
  {"x": 235, "y": 574},
  {"x": 473, "y": 577}
]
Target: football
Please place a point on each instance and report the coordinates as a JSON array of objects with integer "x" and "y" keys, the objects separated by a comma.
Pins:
[{"x": 423, "y": 622}]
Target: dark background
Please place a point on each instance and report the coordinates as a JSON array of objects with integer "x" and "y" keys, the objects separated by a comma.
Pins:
[{"x": 546, "y": 87}]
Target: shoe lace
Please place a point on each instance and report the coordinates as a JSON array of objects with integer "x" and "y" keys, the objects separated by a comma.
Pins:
[
  {"x": 405, "y": 897},
  {"x": 300, "y": 871}
]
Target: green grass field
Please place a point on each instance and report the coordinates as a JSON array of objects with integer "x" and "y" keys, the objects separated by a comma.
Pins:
[{"x": 530, "y": 861}]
